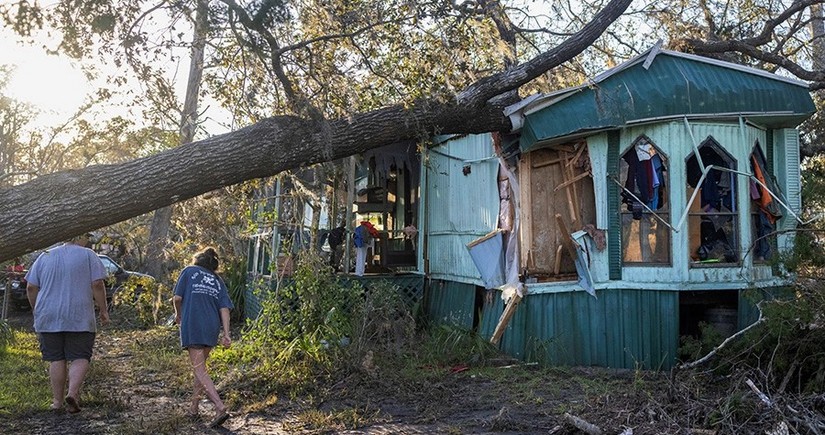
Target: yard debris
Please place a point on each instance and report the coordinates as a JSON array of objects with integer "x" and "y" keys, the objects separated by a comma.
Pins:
[
  {"x": 582, "y": 425},
  {"x": 506, "y": 315},
  {"x": 762, "y": 396}
]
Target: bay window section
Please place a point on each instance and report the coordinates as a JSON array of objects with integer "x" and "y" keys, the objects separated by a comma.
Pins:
[
  {"x": 645, "y": 205},
  {"x": 712, "y": 219}
]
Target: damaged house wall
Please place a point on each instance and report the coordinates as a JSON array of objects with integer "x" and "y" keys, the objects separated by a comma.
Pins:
[{"x": 691, "y": 162}]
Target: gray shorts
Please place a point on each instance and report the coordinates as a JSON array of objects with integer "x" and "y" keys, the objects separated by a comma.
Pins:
[{"x": 68, "y": 346}]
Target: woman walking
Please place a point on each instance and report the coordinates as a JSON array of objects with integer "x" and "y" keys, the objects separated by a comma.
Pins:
[{"x": 202, "y": 307}]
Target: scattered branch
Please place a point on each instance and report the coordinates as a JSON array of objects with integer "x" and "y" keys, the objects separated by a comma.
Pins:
[
  {"x": 582, "y": 425},
  {"x": 733, "y": 337}
]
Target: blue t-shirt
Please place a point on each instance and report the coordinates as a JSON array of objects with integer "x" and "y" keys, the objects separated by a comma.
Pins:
[
  {"x": 65, "y": 301},
  {"x": 204, "y": 294}
]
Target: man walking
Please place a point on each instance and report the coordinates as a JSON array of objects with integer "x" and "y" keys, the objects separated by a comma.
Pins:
[{"x": 64, "y": 285}]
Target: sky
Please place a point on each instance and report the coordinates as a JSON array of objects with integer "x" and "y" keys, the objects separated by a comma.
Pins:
[
  {"x": 57, "y": 88},
  {"x": 52, "y": 84}
]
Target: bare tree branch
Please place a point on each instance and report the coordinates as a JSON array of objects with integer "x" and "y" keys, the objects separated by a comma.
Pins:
[{"x": 751, "y": 46}]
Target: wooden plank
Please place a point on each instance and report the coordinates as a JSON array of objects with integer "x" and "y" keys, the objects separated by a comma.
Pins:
[
  {"x": 566, "y": 173},
  {"x": 526, "y": 201},
  {"x": 581, "y": 146},
  {"x": 569, "y": 182},
  {"x": 566, "y": 240},
  {"x": 506, "y": 315},
  {"x": 557, "y": 267},
  {"x": 544, "y": 163}
]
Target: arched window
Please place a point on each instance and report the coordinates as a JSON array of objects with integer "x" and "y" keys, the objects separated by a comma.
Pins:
[
  {"x": 712, "y": 220},
  {"x": 645, "y": 205}
]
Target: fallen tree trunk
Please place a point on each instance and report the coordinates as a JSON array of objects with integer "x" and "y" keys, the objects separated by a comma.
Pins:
[{"x": 57, "y": 206}]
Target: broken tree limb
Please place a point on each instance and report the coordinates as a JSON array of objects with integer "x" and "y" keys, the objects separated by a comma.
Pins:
[
  {"x": 716, "y": 349},
  {"x": 762, "y": 396},
  {"x": 506, "y": 315},
  {"x": 582, "y": 425}
]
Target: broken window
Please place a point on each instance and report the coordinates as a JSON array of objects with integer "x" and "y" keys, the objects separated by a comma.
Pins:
[
  {"x": 645, "y": 204},
  {"x": 712, "y": 218},
  {"x": 765, "y": 209},
  {"x": 559, "y": 199}
]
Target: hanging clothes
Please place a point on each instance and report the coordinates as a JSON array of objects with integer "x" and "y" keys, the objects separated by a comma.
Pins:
[
  {"x": 637, "y": 182},
  {"x": 765, "y": 201}
]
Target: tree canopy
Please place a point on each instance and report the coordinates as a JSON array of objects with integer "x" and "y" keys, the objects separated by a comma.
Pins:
[{"x": 318, "y": 80}]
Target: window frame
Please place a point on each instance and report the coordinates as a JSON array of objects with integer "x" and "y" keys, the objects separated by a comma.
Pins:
[
  {"x": 661, "y": 217},
  {"x": 731, "y": 217}
]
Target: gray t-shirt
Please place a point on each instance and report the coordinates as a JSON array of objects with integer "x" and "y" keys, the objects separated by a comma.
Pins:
[{"x": 65, "y": 302}]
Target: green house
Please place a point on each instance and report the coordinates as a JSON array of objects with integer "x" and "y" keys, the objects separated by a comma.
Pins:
[{"x": 642, "y": 204}]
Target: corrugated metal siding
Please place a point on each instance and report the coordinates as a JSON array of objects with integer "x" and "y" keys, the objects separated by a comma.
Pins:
[
  {"x": 672, "y": 86},
  {"x": 621, "y": 329},
  {"x": 460, "y": 208},
  {"x": 450, "y": 303}
]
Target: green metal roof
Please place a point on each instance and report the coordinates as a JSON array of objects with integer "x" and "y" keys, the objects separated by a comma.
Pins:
[{"x": 658, "y": 85}]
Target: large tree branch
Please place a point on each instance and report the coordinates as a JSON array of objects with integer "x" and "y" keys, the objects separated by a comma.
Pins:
[
  {"x": 491, "y": 86},
  {"x": 751, "y": 46},
  {"x": 55, "y": 207}
]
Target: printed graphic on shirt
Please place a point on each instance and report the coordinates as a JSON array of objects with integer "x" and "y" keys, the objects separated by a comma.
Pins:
[{"x": 203, "y": 283}]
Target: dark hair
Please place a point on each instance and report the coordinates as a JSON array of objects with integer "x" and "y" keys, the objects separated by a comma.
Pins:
[{"x": 207, "y": 259}]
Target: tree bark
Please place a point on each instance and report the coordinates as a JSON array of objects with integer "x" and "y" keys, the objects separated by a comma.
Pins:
[{"x": 57, "y": 206}]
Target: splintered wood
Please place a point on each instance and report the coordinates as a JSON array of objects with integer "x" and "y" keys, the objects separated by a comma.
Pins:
[
  {"x": 509, "y": 311},
  {"x": 556, "y": 181}
]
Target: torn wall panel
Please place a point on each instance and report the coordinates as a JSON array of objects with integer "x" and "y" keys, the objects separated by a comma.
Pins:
[{"x": 556, "y": 181}]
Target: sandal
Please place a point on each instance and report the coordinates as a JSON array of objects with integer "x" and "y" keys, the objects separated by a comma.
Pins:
[{"x": 219, "y": 419}]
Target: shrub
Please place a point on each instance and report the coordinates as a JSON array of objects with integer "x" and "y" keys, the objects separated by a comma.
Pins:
[{"x": 144, "y": 302}]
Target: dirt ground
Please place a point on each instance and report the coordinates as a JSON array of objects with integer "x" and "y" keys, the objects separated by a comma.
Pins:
[{"x": 512, "y": 399}]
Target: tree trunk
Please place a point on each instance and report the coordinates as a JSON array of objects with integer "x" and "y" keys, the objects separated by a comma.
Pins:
[
  {"x": 818, "y": 36},
  {"x": 162, "y": 219},
  {"x": 57, "y": 206}
]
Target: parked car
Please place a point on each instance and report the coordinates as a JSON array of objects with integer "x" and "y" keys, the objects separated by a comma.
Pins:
[
  {"x": 118, "y": 277},
  {"x": 14, "y": 282}
]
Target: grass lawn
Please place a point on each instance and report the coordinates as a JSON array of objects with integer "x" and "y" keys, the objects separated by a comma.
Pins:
[{"x": 24, "y": 381}]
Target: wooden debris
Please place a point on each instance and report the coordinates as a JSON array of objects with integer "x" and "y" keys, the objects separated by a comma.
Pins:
[
  {"x": 583, "y": 425},
  {"x": 509, "y": 310},
  {"x": 762, "y": 396},
  {"x": 566, "y": 241}
]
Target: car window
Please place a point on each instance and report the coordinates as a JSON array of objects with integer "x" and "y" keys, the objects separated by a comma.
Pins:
[{"x": 110, "y": 265}]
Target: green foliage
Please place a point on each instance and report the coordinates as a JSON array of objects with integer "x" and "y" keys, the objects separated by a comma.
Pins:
[
  {"x": 806, "y": 257},
  {"x": 24, "y": 385},
  {"x": 301, "y": 332},
  {"x": 450, "y": 345},
  {"x": 6, "y": 336},
  {"x": 385, "y": 322},
  {"x": 692, "y": 348},
  {"x": 143, "y": 302},
  {"x": 234, "y": 276},
  {"x": 793, "y": 337}
]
